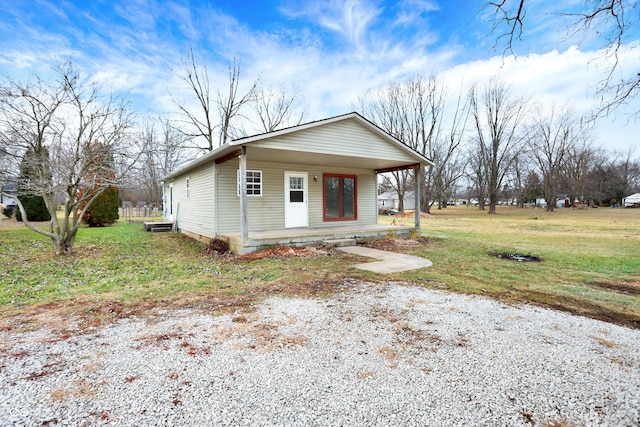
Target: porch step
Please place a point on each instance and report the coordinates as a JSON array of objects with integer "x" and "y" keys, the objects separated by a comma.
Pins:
[
  {"x": 160, "y": 229},
  {"x": 340, "y": 243}
]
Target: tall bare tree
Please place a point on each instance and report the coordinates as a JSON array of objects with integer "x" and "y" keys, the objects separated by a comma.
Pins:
[
  {"x": 497, "y": 117},
  {"x": 231, "y": 103},
  {"x": 386, "y": 108},
  {"x": 580, "y": 161},
  {"x": 79, "y": 140},
  {"x": 551, "y": 139},
  {"x": 412, "y": 111},
  {"x": 612, "y": 22},
  {"x": 276, "y": 109},
  {"x": 213, "y": 119}
]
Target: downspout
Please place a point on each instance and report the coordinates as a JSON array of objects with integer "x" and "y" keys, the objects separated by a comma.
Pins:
[
  {"x": 417, "y": 178},
  {"x": 244, "y": 222}
]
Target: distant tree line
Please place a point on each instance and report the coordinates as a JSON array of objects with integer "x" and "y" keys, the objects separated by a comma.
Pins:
[{"x": 496, "y": 147}]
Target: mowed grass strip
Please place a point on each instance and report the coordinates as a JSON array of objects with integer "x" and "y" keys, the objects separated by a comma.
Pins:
[
  {"x": 121, "y": 270},
  {"x": 591, "y": 267},
  {"x": 591, "y": 257}
]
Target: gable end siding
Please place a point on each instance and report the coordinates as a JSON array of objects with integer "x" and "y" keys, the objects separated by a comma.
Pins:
[
  {"x": 196, "y": 213},
  {"x": 347, "y": 138}
]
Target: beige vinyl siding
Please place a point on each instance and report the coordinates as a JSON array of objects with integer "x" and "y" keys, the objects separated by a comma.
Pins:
[
  {"x": 267, "y": 212},
  {"x": 346, "y": 138},
  {"x": 196, "y": 213}
]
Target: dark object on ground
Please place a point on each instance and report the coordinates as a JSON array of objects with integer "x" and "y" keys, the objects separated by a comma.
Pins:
[{"x": 517, "y": 257}]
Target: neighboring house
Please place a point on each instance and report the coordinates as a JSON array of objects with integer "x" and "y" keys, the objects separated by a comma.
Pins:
[
  {"x": 390, "y": 200},
  {"x": 631, "y": 201},
  {"x": 563, "y": 201},
  {"x": 297, "y": 186},
  {"x": 9, "y": 188},
  {"x": 541, "y": 202}
]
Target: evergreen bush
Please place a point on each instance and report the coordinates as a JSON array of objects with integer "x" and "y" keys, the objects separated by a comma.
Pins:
[{"x": 104, "y": 210}]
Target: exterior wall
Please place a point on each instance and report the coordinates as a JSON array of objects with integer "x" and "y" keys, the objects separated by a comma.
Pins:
[
  {"x": 346, "y": 138},
  {"x": 267, "y": 212},
  {"x": 195, "y": 214}
]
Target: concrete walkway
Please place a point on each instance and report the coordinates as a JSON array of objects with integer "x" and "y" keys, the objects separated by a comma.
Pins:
[{"x": 390, "y": 262}]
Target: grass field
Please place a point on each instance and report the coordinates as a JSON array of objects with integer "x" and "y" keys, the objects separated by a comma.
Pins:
[{"x": 591, "y": 266}]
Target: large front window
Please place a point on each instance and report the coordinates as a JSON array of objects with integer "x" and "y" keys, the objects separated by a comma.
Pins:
[{"x": 340, "y": 197}]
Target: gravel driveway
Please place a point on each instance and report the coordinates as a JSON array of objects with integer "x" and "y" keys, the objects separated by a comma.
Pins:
[{"x": 375, "y": 355}]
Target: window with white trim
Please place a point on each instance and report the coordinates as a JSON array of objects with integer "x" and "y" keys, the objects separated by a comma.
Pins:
[
  {"x": 254, "y": 183},
  {"x": 187, "y": 188}
]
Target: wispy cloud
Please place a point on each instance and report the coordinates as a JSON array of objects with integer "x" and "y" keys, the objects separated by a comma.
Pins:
[{"x": 330, "y": 52}]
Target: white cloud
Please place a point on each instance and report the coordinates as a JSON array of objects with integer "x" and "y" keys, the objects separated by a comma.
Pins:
[{"x": 561, "y": 78}]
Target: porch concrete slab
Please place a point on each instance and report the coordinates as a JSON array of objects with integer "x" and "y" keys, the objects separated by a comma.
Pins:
[{"x": 390, "y": 262}]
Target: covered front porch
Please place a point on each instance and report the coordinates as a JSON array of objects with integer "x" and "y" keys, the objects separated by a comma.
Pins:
[{"x": 298, "y": 237}]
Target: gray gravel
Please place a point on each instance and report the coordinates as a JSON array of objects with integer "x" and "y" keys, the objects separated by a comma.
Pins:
[{"x": 376, "y": 355}]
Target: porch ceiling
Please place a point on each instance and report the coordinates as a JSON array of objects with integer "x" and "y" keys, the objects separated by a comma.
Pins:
[{"x": 320, "y": 159}]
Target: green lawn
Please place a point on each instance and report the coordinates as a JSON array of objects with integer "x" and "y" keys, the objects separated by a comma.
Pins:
[
  {"x": 591, "y": 257},
  {"x": 591, "y": 266}
]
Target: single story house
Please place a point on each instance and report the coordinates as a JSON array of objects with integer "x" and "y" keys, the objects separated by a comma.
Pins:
[
  {"x": 632, "y": 200},
  {"x": 391, "y": 200},
  {"x": 297, "y": 186}
]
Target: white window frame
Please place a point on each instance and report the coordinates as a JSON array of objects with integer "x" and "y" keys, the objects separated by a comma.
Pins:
[
  {"x": 251, "y": 186},
  {"x": 188, "y": 179}
]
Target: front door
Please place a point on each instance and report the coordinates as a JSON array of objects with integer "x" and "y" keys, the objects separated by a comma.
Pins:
[{"x": 296, "y": 212}]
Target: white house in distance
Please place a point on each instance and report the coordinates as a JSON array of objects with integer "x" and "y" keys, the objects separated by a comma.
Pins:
[
  {"x": 391, "y": 200},
  {"x": 631, "y": 201},
  {"x": 297, "y": 186}
]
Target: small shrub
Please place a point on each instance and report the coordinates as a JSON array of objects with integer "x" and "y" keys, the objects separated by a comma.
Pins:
[
  {"x": 35, "y": 208},
  {"x": 218, "y": 245},
  {"x": 8, "y": 211}
]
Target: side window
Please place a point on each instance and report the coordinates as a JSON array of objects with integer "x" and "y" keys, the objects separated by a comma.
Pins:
[
  {"x": 254, "y": 183},
  {"x": 188, "y": 187}
]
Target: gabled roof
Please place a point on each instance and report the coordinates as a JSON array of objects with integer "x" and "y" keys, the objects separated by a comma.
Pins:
[{"x": 232, "y": 147}]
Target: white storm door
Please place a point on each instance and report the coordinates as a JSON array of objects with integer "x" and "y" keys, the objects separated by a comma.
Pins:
[{"x": 296, "y": 206}]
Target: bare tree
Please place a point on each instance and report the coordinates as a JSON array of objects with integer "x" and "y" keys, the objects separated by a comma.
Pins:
[
  {"x": 497, "y": 118},
  {"x": 79, "y": 140},
  {"x": 611, "y": 21},
  {"x": 276, "y": 109},
  {"x": 629, "y": 170},
  {"x": 551, "y": 139},
  {"x": 449, "y": 163},
  {"x": 203, "y": 121},
  {"x": 213, "y": 120},
  {"x": 230, "y": 104},
  {"x": 385, "y": 107},
  {"x": 164, "y": 148},
  {"x": 412, "y": 112},
  {"x": 580, "y": 161}
]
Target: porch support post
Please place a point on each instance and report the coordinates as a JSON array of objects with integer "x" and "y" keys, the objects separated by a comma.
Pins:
[
  {"x": 417, "y": 177},
  {"x": 244, "y": 222}
]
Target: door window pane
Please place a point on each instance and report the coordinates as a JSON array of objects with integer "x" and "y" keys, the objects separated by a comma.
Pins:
[
  {"x": 296, "y": 183},
  {"x": 296, "y": 196}
]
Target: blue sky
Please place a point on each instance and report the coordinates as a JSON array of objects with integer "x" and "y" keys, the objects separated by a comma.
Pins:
[{"x": 328, "y": 52}]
